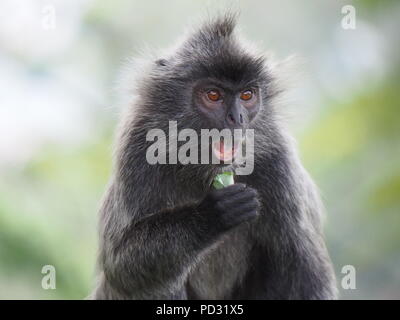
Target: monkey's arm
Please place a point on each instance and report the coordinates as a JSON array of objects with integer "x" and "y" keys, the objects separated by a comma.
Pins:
[
  {"x": 151, "y": 257},
  {"x": 290, "y": 249}
]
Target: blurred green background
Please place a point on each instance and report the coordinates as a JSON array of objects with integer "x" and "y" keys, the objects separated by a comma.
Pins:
[{"x": 59, "y": 63}]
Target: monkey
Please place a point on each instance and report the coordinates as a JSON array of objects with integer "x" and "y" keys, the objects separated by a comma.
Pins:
[{"x": 165, "y": 232}]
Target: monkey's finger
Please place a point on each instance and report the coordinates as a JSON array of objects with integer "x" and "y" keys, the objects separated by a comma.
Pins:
[
  {"x": 239, "y": 199},
  {"x": 229, "y": 190},
  {"x": 245, "y": 207}
]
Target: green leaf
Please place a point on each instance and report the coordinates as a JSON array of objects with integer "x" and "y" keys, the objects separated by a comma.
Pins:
[{"x": 223, "y": 180}]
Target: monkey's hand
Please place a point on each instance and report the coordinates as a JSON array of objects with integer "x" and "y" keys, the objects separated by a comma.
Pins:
[{"x": 229, "y": 207}]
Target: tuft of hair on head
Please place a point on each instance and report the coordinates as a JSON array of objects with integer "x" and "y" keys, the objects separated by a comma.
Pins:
[
  {"x": 215, "y": 28},
  {"x": 222, "y": 25}
]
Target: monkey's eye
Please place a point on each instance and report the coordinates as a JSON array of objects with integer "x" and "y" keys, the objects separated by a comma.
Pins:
[
  {"x": 246, "y": 95},
  {"x": 213, "y": 95}
]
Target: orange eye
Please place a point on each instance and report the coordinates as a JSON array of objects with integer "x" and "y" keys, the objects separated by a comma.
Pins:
[
  {"x": 213, "y": 95},
  {"x": 246, "y": 95}
]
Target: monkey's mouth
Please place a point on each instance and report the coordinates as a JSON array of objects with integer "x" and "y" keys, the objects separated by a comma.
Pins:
[{"x": 225, "y": 152}]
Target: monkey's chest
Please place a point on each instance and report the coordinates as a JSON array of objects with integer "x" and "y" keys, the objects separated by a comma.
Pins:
[{"x": 221, "y": 269}]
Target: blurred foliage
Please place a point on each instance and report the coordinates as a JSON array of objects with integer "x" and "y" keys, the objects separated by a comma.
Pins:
[
  {"x": 48, "y": 216},
  {"x": 353, "y": 152},
  {"x": 373, "y": 4}
]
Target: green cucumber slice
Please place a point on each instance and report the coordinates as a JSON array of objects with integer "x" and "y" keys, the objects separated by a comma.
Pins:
[{"x": 223, "y": 180}]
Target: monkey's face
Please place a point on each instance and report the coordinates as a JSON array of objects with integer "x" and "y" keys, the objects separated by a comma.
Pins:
[
  {"x": 210, "y": 82},
  {"x": 225, "y": 105}
]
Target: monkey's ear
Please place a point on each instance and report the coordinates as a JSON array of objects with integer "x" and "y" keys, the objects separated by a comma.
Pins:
[{"x": 161, "y": 62}]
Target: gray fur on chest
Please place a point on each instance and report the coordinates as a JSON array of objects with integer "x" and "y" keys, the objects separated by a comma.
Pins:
[{"x": 223, "y": 267}]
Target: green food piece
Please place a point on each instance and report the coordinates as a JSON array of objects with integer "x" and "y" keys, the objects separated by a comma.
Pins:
[{"x": 223, "y": 180}]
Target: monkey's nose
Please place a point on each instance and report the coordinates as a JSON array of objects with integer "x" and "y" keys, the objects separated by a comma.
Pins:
[{"x": 235, "y": 118}]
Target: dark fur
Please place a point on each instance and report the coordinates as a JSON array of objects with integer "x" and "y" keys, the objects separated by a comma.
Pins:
[{"x": 164, "y": 232}]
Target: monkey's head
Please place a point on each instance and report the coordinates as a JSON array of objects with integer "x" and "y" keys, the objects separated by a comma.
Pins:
[{"x": 210, "y": 81}]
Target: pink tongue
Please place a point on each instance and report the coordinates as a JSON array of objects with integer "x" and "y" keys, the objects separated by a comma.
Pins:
[
  {"x": 221, "y": 147},
  {"x": 225, "y": 154}
]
